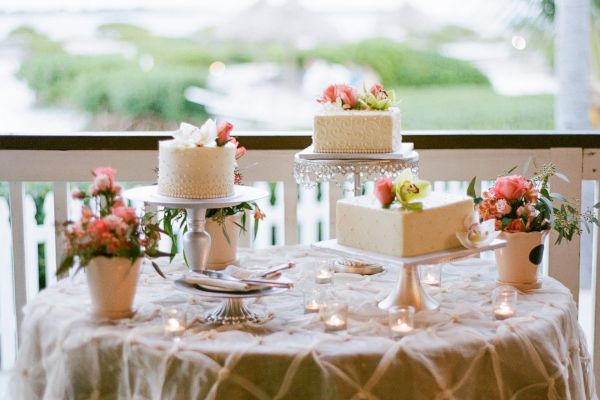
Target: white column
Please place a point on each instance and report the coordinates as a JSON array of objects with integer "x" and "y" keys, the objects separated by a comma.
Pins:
[{"x": 572, "y": 64}]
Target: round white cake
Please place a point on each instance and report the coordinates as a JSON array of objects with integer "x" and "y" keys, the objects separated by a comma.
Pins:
[{"x": 195, "y": 172}]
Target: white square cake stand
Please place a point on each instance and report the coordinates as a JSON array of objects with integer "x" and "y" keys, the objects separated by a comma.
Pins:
[{"x": 408, "y": 290}]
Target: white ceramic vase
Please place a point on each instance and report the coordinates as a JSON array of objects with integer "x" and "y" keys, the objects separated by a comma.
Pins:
[
  {"x": 518, "y": 262},
  {"x": 223, "y": 252},
  {"x": 112, "y": 282}
]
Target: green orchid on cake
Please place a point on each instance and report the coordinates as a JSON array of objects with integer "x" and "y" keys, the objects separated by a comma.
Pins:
[{"x": 404, "y": 191}]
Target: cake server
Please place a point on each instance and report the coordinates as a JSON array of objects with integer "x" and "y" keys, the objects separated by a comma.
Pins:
[
  {"x": 265, "y": 282},
  {"x": 277, "y": 268}
]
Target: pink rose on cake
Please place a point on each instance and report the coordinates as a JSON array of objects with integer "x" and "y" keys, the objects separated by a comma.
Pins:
[
  {"x": 404, "y": 190},
  {"x": 223, "y": 131},
  {"x": 384, "y": 191}
]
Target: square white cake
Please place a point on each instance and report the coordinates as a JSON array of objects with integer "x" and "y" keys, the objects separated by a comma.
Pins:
[
  {"x": 362, "y": 223},
  {"x": 357, "y": 131}
]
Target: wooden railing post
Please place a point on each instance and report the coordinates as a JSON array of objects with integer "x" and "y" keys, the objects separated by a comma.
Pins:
[
  {"x": 20, "y": 256},
  {"x": 564, "y": 258}
]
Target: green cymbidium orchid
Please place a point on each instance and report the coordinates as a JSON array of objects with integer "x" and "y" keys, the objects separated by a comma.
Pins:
[{"x": 407, "y": 189}]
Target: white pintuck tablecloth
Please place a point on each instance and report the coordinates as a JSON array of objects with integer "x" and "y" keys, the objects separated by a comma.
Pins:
[{"x": 457, "y": 353}]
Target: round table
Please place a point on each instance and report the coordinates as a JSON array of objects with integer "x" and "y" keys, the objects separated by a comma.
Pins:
[{"x": 458, "y": 352}]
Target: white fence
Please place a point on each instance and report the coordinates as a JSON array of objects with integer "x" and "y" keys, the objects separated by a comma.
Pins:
[{"x": 19, "y": 279}]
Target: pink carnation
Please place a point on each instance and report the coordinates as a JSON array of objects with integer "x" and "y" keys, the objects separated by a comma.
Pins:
[
  {"x": 127, "y": 214},
  {"x": 503, "y": 207},
  {"x": 514, "y": 226}
]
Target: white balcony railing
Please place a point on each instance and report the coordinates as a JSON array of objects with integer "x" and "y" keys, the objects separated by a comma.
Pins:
[{"x": 444, "y": 156}]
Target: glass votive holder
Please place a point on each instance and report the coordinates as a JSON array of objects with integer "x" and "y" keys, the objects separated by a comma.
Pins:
[
  {"x": 431, "y": 274},
  {"x": 401, "y": 320},
  {"x": 324, "y": 272},
  {"x": 504, "y": 302},
  {"x": 173, "y": 322},
  {"x": 335, "y": 316},
  {"x": 314, "y": 299}
]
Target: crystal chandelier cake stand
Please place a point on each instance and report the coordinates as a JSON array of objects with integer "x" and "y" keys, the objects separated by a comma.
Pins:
[{"x": 356, "y": 168}]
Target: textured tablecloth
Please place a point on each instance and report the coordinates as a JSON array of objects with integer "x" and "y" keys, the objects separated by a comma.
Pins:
[{"x": 458, "y": 352}]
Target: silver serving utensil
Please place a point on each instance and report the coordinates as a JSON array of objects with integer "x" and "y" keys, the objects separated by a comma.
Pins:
[
  {"x": 227, "y": 277},
  {"x": 277, "y": 268}
]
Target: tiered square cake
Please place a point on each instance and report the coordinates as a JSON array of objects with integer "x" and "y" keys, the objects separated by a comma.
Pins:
[{"x": 357, "y": 123}]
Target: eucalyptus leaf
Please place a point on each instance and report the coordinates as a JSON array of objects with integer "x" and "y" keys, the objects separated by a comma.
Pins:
[{"x": 558, "y": 196}]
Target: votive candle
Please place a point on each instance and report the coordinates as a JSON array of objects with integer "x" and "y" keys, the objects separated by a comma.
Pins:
[
  {"x": 314, "y": 300},
  {"x": 324, "y": 273},
  {"x": 504, "y": 301},
  {"x": 431, "y": 274},
  {"x": 174, "y": 322},
  {"x": 335, "y": 316},
  {"x": 401, "y": 320}
]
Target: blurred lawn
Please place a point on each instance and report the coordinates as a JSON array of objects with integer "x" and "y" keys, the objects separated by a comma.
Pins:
[{"x": 473, "y": 107}]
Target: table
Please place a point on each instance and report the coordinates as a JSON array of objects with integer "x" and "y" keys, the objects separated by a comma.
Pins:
[{"x": 458, "y": 352}]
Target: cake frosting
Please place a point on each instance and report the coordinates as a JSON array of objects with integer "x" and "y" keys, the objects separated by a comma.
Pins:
[
  {"x": 195, "y": 164},
  {"x": 357, "y": 131},
  {"x": 353, "y": 122},
  {"x": 362, "y": 222}
]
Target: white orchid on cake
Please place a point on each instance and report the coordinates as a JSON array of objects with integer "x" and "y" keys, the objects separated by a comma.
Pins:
[
  {"x": 403, "y": 191},
  {"x": 209, "y": 134},
  {"x": 477, "y": 233}
]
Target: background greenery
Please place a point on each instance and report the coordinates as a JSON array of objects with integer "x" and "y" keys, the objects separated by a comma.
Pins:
[{"x": 436, "y": 92}]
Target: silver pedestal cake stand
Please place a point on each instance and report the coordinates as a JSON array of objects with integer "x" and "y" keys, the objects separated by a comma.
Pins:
[
  {"x": 311, "y": 168},
  {"x": 232, "y": 310},
  {"x": 197, "y": 242},
  {"x": 408, "y": 290}
]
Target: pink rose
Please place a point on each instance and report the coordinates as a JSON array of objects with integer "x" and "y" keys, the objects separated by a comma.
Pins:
[
  {"x": 510, "y": 187},
  {"x": 384, "y": 191},
  {"x": 223, "y": 131},
  {"x": 348, "y": 96},
  {"x": 376, "y": 88},
  {"x": 329, "y": 95}
]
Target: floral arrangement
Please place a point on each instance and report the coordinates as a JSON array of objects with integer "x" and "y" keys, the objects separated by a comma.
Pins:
[
  {"x": 516, "y": 203},
  {"x": 107, "y": 226},
  {"x": 209, "y": 134},
  {"x": 220, "y": 134},
  {"x": 403, "y": 191},
  {"x": 348, "y": 98}
]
